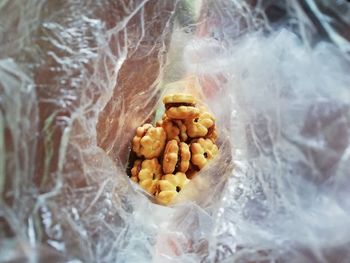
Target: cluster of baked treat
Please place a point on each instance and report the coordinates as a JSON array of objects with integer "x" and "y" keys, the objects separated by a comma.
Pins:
[{"x": 170, "y": 154}]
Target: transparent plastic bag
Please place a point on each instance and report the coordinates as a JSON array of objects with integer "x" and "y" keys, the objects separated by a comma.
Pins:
[{"x": 77, "y": 78}]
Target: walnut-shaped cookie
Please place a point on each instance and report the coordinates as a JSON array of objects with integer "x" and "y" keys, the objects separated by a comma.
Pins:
[
  {"x": 149, "y": 141},
  {"x": 200, "y": 126},
  {"x": 180, "y": 106},
  {"x": 170, "y": 186},
  {"x": 176, "y": 157},
  {"x": 174, "y": 129},
  {"x": 147, "y": 173},
  {"x": 202, "y": 151}
]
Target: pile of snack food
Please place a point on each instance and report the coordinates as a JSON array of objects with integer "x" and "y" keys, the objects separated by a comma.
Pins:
[{"x": 170, "y": 154}]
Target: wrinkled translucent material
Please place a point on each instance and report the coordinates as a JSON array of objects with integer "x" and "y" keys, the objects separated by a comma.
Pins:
[{"x": 77, "y": 78}]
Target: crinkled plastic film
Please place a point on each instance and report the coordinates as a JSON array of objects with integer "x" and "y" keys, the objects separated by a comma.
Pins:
[{"x": 77, "y": 78}]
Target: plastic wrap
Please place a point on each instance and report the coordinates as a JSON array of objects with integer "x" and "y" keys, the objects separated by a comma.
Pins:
[{"x": 77, "y": 78}]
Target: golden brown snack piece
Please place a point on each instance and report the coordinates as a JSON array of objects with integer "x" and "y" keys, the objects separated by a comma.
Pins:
[
  {"x": 200, "y": 126},
  {"x": 170, "y": 156},
  {"x": 170, "y": 128},
  {"x": 179, "y": 98},
  {"x": 147, "y": 173},
  {"x": 170, "y": 186},
  {"x": 176, "y": 157},
  {"x": 212, "y": 134},
  {"x": 183, "y": 130},
  {"x": 182, "y": 112},
  {"x": 174, "y": 129},
  {"x": 149, "y": 141},
  {"x": 135, "y": 171},
  {"x": 185, "y": 156},
  {"x": 180, "y": 106},
  {"x": 202, "y": 151}
]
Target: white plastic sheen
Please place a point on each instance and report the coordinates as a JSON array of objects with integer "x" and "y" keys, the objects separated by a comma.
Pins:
[{"x": 77, "y": 78}]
